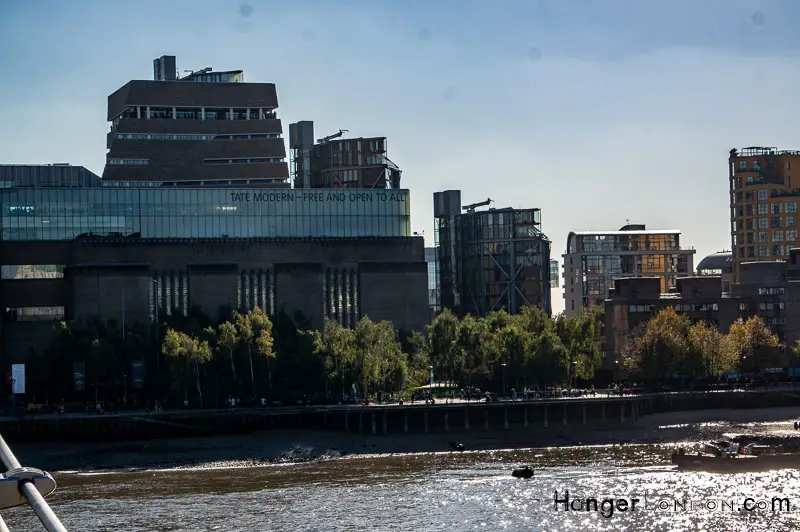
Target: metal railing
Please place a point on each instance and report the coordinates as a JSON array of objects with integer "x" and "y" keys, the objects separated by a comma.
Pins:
[{"x": 26, "y": 484}]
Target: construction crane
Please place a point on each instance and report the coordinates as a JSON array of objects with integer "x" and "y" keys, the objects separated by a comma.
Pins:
[
  {"x": 471, "y": 207},
  {"x": 323, "y": 140}
]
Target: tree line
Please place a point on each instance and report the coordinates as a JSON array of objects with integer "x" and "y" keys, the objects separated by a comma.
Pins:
[
  {"x": 250, "y": 355},
  {"x": 671, "y": 346}
]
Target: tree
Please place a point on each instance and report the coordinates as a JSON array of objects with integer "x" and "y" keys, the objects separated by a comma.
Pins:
[
  {"x": 262, "y": 336},
  {"x": 189, "y": 352},
  {"x": 228, "y": 340},
  {"x": 752, "y": 345},
  {"x": 336, "y": 345},
  {"x": 658, "y": 349},
  {"x": 708, "y": 356},
  {"x": 443, "y": 342}
]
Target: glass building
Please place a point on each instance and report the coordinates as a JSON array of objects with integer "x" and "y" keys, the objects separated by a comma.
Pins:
[
  {"x": 36, "y": 206},
  {"x": 496, "y": 259},
  {"x": 594, "y": 259}
]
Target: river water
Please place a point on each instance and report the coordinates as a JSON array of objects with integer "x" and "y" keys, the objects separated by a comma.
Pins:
[{"x": 425, "y": 492}]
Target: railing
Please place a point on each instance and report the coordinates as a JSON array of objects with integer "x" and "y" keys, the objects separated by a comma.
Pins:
[{"x": 19, "y": 485}]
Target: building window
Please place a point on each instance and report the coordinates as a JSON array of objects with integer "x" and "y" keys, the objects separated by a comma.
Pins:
[
  {"x": 777, "y": 221},
  {"x": 778, "y": 251},
  {"x": 763, "y": 251},
  {"x": 705, "y": 307},
  {"x": 762, "y": 194},
  {"x": 791, "y": 221},
  {"x": 791, "y": 207},
  {"x": 771, "y": 291},
  {"x": 772, "y": 306},
  {"x": 744, "y": 307},
  {"x": 32, "y": 271},
  {"x": 791, "y": 235},
  {"x": 777, "y": 208},
  {"x": 35, "y": 314},
  {"x": 129, "y": 162},
  {"x": 763, "y": 223},
  {"x": 778, "y": 320},
  {"x": 763, "y": 236},
  {"x": 777, "y": 236},
  {"x": 763, "y": 208},
  {"x": 640, "y": 308},
  {"x": 251, "y": 160}
]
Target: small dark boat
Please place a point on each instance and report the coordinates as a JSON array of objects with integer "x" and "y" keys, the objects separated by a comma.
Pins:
[
  {"x": 522, "y": 472},
  {"x": 751, "y": 459}
]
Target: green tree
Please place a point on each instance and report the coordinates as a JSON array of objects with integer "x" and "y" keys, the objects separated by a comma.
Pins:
[
  {"x": 336, "y": 345},
  {"x": 189, "y": 352},
  {"x": 443, "y": 347},
  {"x": 262, "y": 343},
  {"x": 227, "y": 341}
]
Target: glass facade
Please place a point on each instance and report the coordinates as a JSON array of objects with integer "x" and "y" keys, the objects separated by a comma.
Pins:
[
  {"x": 151, "y": 212},
  {"x": 493, "y": 260}
]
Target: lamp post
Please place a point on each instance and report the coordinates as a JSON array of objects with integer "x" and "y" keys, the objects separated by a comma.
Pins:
[
  {"x": 574, "y": 373},
  {"x": 158, "y": 347},
  {"x": 504, "y": 379},
  {"x": 430, "y": 369}
]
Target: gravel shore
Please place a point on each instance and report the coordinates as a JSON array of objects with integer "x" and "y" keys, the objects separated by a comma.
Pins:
[{"x": 302, "y": 446}]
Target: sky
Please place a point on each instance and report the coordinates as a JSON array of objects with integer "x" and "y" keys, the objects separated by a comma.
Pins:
[{"x": 599, "y": 112}]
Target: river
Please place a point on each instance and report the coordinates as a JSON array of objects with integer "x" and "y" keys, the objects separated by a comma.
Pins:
[{"x": 426, "y": 492}]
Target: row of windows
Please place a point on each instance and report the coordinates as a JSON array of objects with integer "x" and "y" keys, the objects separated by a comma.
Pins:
[
  {"x": 129, "y": 162},
  {"x": 340, "y": 287},
  {"x": 32, "y": 271},
  {"x": 251, "y": 160},
  {"x": 56, "y": 214},
  {"x": 163, "y": 136},
  {"x": 195, "y": 113},
  {"x": 705, "y": 307},
  {"x": 35, "y": 314},
  {"x": 771, "y": 291}
]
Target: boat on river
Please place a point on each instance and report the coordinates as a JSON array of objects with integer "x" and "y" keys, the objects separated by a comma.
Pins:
[{"x": 728, "y": 457}]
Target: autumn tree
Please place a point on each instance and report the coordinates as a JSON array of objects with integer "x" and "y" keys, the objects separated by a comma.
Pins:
[
  {"x": 752, "y": 345},
  {"x": 659, "y": 348}
]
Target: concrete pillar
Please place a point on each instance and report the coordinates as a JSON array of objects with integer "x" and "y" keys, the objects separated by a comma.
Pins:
[
  {"x": 446, "y": 421},
  {"x": 525, "y": 417},
  {"x": 564, "y": 417},
  {"x": 385, "y": 423},
  {"x": 426, "y": 421},
  {"x": 603, "y": 413},
  {"x": 545, "y": 416},
  {"x": 374, "y": 431},
  {"x": 505, "y": 418},
  {"x": 405, "y": 421},
  {"x": 584, "y": 413},
  {"x": 486, "y": 419},
  {"x": 466, "y": 418},
  {"x": 622, "y": 412}
]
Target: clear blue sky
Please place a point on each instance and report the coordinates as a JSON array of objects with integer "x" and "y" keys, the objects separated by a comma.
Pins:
[{"x": 597, "y": 111}]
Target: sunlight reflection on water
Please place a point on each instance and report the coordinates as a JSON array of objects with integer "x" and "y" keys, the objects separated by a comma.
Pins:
[{"x": 425, "y": 492}]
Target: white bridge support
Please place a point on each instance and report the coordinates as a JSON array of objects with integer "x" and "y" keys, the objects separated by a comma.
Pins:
[{"x": 19, "y": 485}]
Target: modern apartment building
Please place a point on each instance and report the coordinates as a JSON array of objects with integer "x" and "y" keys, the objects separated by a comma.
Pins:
[
  {"x": 337, "y": 162},
  {"x": 593, "y": 260},
  {"x": 205, "y": 129},
  {"x": 763, "y": 202},
  {"x": 493, "y": 259}
]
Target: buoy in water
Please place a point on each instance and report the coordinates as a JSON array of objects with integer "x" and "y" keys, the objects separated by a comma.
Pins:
[{"x": 522, "y": 472}]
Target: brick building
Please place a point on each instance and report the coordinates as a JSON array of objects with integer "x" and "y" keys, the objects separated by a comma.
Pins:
[{"x": 770, "y": 290}]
